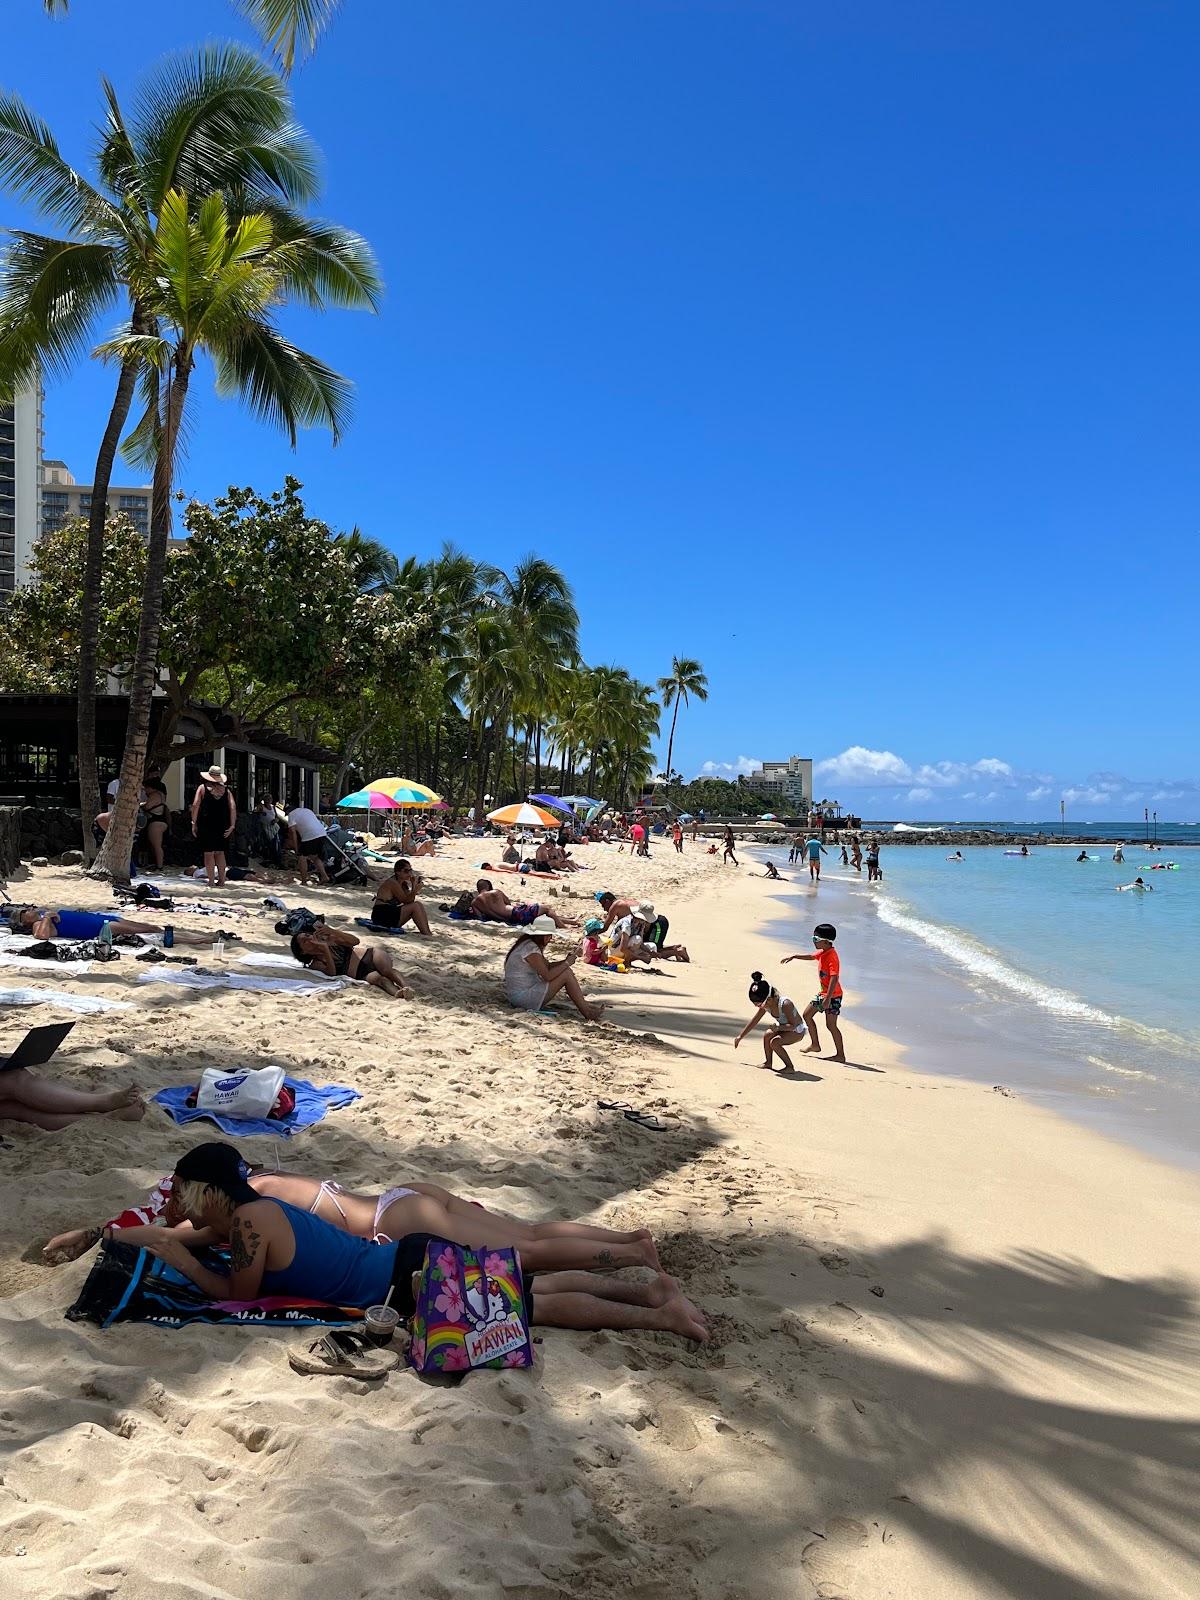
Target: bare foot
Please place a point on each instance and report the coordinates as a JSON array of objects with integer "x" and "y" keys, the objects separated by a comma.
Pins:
[
  {"x": 840, "y": 1058},
  {"x": 70, "y": 1246},
  {"x": 119, "y": 1099},
  {"x": 812, "y": 1050},
  {"x": 593, "y": 1013},
  {"x": 134, "y": 1112},
  {"x": 680, "y": 1317},
  {"x": 664, "y": 1289},
  {"x": 645, "y": 1237}
]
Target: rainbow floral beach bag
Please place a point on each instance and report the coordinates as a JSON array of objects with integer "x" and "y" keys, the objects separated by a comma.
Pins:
[{"x": 471, "y": 1310}]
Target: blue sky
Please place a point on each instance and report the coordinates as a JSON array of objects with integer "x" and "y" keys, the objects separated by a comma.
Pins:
[{"x": 850, "y": 349}]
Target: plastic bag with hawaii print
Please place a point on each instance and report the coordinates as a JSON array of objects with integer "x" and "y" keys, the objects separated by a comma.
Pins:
[{"x": 470, "y": 1310}]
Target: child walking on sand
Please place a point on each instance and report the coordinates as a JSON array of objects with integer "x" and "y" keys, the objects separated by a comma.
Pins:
[{"x": 829, "y": 1001}]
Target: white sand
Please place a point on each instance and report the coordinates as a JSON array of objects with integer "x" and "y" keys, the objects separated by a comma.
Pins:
[{"x": 1017, "y": 1415}]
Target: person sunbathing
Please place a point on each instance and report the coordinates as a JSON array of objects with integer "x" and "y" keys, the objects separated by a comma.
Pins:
[
  {"x": 340, "y": 955},
  {"x": 390, "y": 1214},
  {"x": 396, "y": 900},
  {"x": 493, "y": 905},
  {"x": 42, "y": 923},
  {"x": 275, "y": 1248}
]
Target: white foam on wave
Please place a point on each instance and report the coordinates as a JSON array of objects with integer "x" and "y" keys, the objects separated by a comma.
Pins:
[
  {"x": 907, "y": 827},
  {"x": 1121, "y": 1072},
  {"x": 984, "y": 963}
]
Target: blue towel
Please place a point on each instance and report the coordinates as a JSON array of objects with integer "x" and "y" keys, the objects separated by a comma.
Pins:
[
  {"x": 376, "y": 927},
  {"x": 311, "y": 1105}
]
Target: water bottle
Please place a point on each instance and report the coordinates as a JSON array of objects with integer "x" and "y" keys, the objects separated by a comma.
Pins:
[
  {"x": 168, "y": 936},
  {"x": 106, "y": 936}
]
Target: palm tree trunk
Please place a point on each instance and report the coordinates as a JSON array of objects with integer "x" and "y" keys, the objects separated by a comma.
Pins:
[
  {"x": 113, "y": 860},
  {"x": 89, "y": 642},
  {"x": 671, "y": 743},
  {"x": 537, "y": 758}
]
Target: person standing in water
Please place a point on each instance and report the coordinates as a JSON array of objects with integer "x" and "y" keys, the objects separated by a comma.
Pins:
[
  {"x": 829, "y": 1001},
  {"x": 1119, "y": 854},
  {"x": 814, "y": 849}
]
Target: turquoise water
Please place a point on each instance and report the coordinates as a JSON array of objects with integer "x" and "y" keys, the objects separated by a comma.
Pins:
[{"x": 1035, "y": 972}]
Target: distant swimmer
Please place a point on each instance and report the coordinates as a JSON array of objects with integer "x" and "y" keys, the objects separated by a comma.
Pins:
[
  {"x": 957, "y": 856},
  {"x": 1024, "y": 849},
  {"x": 1119, "y": 855},
  {"x": 1142, "y": 888},
  {"x": 1083, "y": 856}
]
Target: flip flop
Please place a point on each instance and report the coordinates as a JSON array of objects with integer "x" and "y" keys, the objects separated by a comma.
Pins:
[
  {"x": 324, "y": 1358},
  {"x": 614, "y": 1105},
  {"x": 647, "y": 1120}
]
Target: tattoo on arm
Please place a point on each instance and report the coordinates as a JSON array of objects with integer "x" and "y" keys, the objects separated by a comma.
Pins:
[{"x": 244, "y": 1243}]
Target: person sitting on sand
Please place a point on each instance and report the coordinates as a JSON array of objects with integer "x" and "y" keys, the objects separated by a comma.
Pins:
[
  {"x": 594, "y": 952},
  {"x": 829, "y": 1001},
  {"x": 390, "y": 1214},
  {"x": 493, "y": 905},
  {"x": 339, "y": 954},
  {"x": 396, "y": 900},
  {"x": 63, "y": 923},
  {"x": 633, "y": 938},
  {"x": 530, "y": 981},
  {"x": 411, "y": 845},
  {"x": 511, "y": 854},
  {"x": 275, "y": 1248},
  {"x": 788, "y": 1025},
  {"x": 772, "y": 872}
]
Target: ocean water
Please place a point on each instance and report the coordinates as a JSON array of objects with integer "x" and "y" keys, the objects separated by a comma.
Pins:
[
  {"x": 1130, "y": 832},
  {"x": 1033, "y": 972}
]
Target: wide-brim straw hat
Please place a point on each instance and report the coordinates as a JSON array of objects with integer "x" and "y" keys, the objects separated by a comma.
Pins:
[
  {"x": 541, "y": 925},
  {"x": 214, "y": 775}
]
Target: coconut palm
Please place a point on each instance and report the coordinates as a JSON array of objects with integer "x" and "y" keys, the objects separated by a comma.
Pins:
[
  {"x": 210, "y": 282},
  {"x": 216, "y": 118},
  {"x": 289, "y": 27},
  {"x": 687, "y": 679}
]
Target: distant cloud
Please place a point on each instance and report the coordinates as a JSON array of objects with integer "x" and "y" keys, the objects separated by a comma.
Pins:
[
  {"x": 1040, "y": 793},
  {"x": 920, "y": 794},
  {"x": 742, "y": 767},
  {"x": 858, "y": 768}
]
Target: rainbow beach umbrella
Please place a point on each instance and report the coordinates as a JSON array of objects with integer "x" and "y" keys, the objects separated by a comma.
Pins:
[
  {"x": 405, "y": 792},
  {"x": 368, "y": 800},
  {"x": 524, "y": 815}
]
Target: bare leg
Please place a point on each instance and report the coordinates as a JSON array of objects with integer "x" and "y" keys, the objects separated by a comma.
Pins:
[
  {"x": 475, "y": 1228},
  {"x": 567, "y": 980},
  {"x": 389, "y": 980},
  {"x": 814, "y": 1038},
  {"x": 783, "y": 1037},
  {"x": 414, "y": 913},
  {"x": 44, "y": 1094},
  {"x": 210, "y": 870},
  {"x": 588, "y": 1311},
  {"x": 219, "y": 863},
  {"x": 655, "y": 1293},
  {"x": 525, "y": 1231},
  {"x": 835, "y": 1033}
]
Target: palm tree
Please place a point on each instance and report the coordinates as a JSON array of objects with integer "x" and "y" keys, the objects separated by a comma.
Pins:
[
  {"x": 687, "y": 678},
  {"x": 215, "y": 119},
  {"x": 284, "y": 25},
  {"x": 210, "y": 282}
]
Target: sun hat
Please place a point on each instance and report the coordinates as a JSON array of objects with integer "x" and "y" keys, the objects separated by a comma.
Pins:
[
  {"x": 214, "y": 774},
  {"x": 593, "y": 925},
  {"x": 542, "y": 924},
  {"x": 645, "y": 911}
]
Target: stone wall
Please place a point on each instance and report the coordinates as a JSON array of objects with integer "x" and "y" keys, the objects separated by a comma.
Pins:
[{"x": 10, "y": 839}]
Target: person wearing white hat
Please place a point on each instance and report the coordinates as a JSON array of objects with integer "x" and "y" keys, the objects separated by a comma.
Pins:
[
  {"x": 214, "y": 817},
  {"x": 530, "y": 981},
  {"x": 633, "y": 938}
]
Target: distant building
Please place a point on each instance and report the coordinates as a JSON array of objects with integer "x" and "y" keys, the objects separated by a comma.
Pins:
[
  {"x": 63, "y": 500},
  {"x": 20, "y": 485},
  {"x": 790, "y": 781}
]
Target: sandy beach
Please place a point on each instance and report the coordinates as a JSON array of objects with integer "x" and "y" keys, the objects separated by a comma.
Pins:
[{"x": 955, "y": 1337}]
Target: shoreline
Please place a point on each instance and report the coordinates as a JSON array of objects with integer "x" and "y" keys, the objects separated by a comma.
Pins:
[{"x": 940, "y": 1366}]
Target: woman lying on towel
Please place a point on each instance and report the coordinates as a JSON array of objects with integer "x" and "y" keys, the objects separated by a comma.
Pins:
[
  {"x": 339, "y": 955},
  {"x": 412, "y": 1208},
  {"x": 278, "y": 1248}
]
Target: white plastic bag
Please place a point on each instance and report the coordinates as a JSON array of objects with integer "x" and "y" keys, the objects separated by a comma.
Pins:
[{"x": 250, "y": 1093}]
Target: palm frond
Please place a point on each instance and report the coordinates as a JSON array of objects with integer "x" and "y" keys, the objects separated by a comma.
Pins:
[
  {"x": 334, "y": 266},
  {"x": 51, "y": 293},
  {"x": 289, "y": 27},
  {"x": 283, "y": 384},
  {"x": 31, "y": 164}
]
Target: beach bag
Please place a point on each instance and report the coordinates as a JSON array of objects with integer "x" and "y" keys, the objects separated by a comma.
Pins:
[
  {"x": 250, "y": 1093},
  {"x": 470, "y": 1311}
]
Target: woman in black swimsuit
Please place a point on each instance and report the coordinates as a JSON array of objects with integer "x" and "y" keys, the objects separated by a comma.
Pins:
[
  {"x": 339, "y": 955},
  {"x": 214, "y": 815},
  {"x": 158, "y": 820}
]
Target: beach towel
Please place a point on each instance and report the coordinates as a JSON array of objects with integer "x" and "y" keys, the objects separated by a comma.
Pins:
[
  {"x": 376, "y": 927},
  {"x": 311, "y": 1105},
  {"x": 12, "y": 955},
  {"x": 127, "y": 1284},
  {"x": 200, "y": 978},
  {"x": 280, "y": 958},
  {"x": 59, "y": 997}
]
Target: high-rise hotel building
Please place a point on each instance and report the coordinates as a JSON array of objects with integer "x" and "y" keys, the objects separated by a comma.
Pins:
[{"x": 20, "y": 485}]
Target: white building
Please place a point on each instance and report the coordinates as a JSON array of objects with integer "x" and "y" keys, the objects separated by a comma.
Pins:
[
  {"x": 790, "y": 781},
  {"x": 20, "y": 485},
  {"x": 63, "y": 499}
]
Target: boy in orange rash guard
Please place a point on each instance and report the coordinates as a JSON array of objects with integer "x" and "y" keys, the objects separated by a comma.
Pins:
[{"x": 829, "y": 1001}]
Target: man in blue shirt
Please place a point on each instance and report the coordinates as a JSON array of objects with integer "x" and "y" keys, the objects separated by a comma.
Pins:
[{"x": 814, "y": 849}]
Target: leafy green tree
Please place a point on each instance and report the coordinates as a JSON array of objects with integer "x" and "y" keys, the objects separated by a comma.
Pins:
[
  {"x": 213, "y": 120},
  {"x": 289, "y": 27},
  {"x": 686, "y": 679}
]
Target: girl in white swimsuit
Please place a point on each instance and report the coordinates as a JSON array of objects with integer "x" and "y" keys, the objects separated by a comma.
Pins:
[{"x": 789, "y": 1026}]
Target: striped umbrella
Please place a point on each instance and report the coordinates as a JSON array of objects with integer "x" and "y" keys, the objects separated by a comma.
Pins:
[
  {"x": 523, "y": 816},
  {"x": 405, "y": 792},
  {"x": 368, "y": 800}
]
